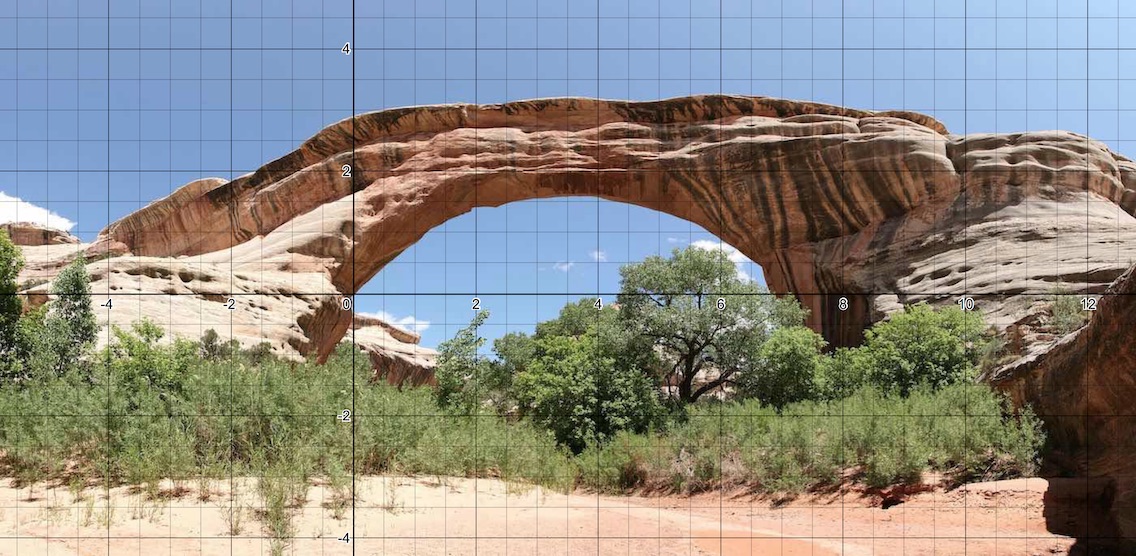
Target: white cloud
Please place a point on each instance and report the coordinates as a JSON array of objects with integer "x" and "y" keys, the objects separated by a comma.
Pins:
[
  {"x": 598, "y": 256},
  {"x": 564, "y": 266},
  {"x": 675, "y": 240},
  {"x": 409, "y": 322},
  {"x": 14, "y": 209},
  {"x": 735, "y": 256}
]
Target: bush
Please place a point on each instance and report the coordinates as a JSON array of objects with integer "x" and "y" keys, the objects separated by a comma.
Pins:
[
  {"x": 141, "y": 363},
  {"x": 163, "y": 412},
  {"x": 922, "y": 345},
  {"x": 461, "y": 370},
  {"x": 583, "y": 396},
  {"x": 211, "y": 347},
  {"x": 11, "y": 262},
  {"x": 70, "y": 321},
  {"x": 71, "y": 309},
  {"x": 259, "y": 353},
  {"x": 1067, "y": 312},
  {"x": 841, "y": 374},
  {"x": 786, "y": 369}
]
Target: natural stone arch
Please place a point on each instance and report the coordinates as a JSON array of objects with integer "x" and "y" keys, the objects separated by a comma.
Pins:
[
  {"x": 828, "y": 200},
  {"x": 774, "y": 178},
  {"x": 888, "y": 207}
]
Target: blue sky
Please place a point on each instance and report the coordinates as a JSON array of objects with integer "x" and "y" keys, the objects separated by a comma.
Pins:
[{"x": 107, "y": 106}]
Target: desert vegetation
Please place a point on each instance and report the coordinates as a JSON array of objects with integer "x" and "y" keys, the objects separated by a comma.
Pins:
[{"x": 693, "y": 379}]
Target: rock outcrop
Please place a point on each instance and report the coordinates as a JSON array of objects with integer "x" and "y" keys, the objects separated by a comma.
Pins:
[
  {"x": 1082, "y": 384},
  {"x": 855, "y": 212},
  {"x": 395, "y": 354},
  {"x": 32, "y": 234}
]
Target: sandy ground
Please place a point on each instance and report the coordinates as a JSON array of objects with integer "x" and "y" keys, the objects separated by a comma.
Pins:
[{"x": 460, "y": 516}]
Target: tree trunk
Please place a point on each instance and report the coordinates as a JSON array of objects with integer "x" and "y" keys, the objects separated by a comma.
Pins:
[{"x": 686, "y": 386}]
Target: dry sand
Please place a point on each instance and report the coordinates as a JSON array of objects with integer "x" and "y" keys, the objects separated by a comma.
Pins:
[{"x": 398, "y": 515}]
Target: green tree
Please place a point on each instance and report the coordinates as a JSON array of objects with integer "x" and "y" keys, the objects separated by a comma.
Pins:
[
  {"x": 515, "y": 351},
  {"x": 71, "y": 319},
  {"x": 11, "y": 262},
  {"x": 460, "y": 369},
  {"x": 922, "y": 345},
  {"x": 35, "y": 354},
  {"x": 581, "y": 395},
  {"x": 841, "y": 374},
  {"x": 696, "y": 312},
  {"x": 787, "y": 368}
]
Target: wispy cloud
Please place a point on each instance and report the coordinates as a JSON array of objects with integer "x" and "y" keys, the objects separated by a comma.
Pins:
[
  {"x": 735, "y": 256},
  {"x": 14, "y": 209},
  {"x": 676, "y": 240},
  {"x": 411, "y": 322},
  {"x": 563, "y": 266},
  {"x": 598, "y": 256}
]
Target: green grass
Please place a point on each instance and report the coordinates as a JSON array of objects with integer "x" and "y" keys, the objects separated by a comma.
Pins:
[{"x": 197, "y": 419}]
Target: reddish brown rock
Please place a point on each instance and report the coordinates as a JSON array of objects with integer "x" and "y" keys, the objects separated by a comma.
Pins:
[
  {"x": 1082, "y": 385},
  {"x": 32, "y": 234}
]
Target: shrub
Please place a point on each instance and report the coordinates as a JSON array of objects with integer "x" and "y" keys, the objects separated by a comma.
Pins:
[
  {"x": 259, "y": 353},
  {"x": 36, "y": 355},
  {"x": 922, "y": 345},
  {"x": 70, "y": 319},
  {"x": 841, "y": 374},
  {"x": 211, "y": 347},
  {"x": 786, "y": 369},
  {"x": 460, "y": 369},
  {"x": 963, "y": 431},
  {"x": 11, "y": 262},
  {"x": 145, "y": 366},
  {"x": 72, "y": 306},
  {"x": 164, "y": 412},
  {"x": 1067, "y": 312},
  {"x": 583, "y": 396}
]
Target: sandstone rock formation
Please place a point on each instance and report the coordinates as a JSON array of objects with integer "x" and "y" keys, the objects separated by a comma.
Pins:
[
  {"x": 1083, "y": 384},
  {"x": 841, "y": 207},
  {"x": 30, "y": 233},
  {"x": 395, "y": 354}
]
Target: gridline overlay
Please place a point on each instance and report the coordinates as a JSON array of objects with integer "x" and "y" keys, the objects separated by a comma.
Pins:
[{"x": 110, "y": 105}]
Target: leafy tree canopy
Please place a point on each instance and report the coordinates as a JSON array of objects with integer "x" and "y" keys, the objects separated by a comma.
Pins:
[
  {"x": 583, "y": 396},
  {"x": 11, "y": 262},
  {"x": 921, "y": 345},
  {"x": 697, "y": 311}
]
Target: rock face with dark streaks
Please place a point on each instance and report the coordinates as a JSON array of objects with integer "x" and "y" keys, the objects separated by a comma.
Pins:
[{"x": 855, "y": 212}]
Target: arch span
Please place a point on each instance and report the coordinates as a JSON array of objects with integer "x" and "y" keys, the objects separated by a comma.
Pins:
[{"x": 777, "y": 179}]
